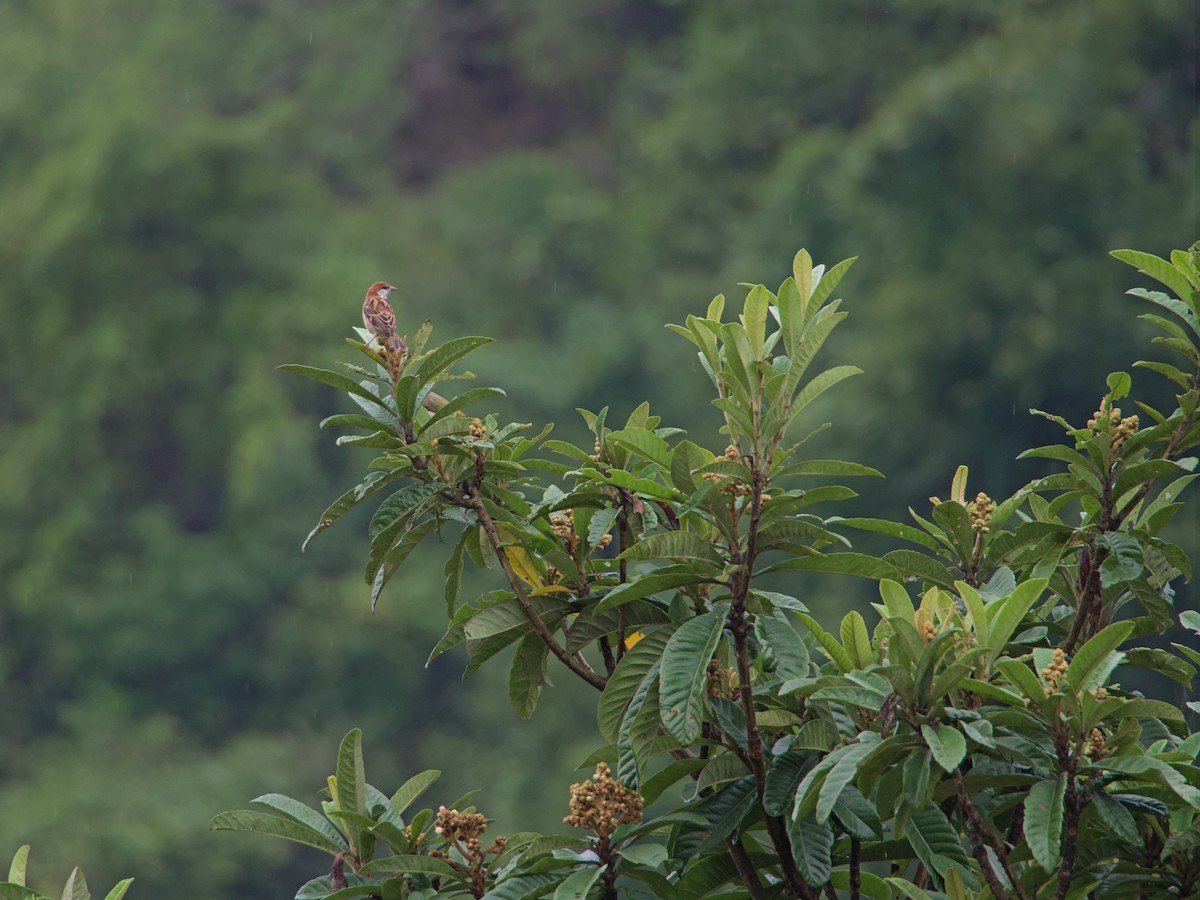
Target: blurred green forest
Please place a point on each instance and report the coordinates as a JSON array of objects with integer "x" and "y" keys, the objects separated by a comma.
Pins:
[{"x": 195, "y": 193}]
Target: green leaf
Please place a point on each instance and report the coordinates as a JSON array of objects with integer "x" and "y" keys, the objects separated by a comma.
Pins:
[
  {"x": 1119, "y": 821},
  {"x": 1090, "y": 659},
  {"x": 683, "y": 676},
  {"x": 947, "y": 745},
  {"x": 76, "y": 887},
  {"x": 855, "y": 640},
  {"x": 630, "y": 672},
  {"x": 828, "y": 467},
  {"x": 1044, "y": 821},
  {"x": 858, "y": 814},
  {"x": 119, "y": 889},
  {"x": 802, "y": 274},
  {"x": 891, "y": 529},
  {"x": 812, "y": 849},
  {"x": 1019, "y": 675},
  {"x": 791, "y": 654},
  {"x": 828, "y": 643},
  {"x": 343, "y": 504},
  {"x": 337, "y": 380},
  {"x": 646, "y": 585},
  {"x": 916, "y": 777},
  {"x": 577, "y": 885},
  {"x": 1005, "y": 615},
  {"x": 733, "y": 803},
  {"x": 412, "y": 789},
  {"x": 351, "y": 794},
  {"x": 935, "y": 840},
  {"x": 785, "y": 773},
  {"x": 841, "y": 774},
  {"x": 299, "y": 812},
  {"x": 16, "y": 871},
  {"x": 1119, "y": 384},
  {"x": 839, "y": 563},
  {"x": 527, "y": 674},
  {"x": 675, "y": 545},
  {"x": 394, "y": 558},
  {"x": 1158, "y": 269},
  {"x": 754, "y": 318},
  {"x": 819, "y": 385},
  {"x": 445, "y": 356},
  {"x": 265, "y": 823},
  {"x": 1147, "y": 768},
  {"x": 830, "y": 280},
  {"x": 18, "y": 892}
]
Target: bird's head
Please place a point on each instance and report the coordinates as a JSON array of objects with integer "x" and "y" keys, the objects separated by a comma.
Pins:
[{"x": 382, "y": 288}]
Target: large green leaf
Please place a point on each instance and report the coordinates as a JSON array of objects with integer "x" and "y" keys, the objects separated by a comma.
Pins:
[
  {"x": 351, "y": 795},
  {"x": 855, "y": 640},
  {"x": 947, "y": 745},
  {"x": 828, "y": 643},
  {"x": 1094, "y": 660},
  {"x": 841, "y": 774},
  {"x": 578, "y": 883},
  {"x": 935, "y": 840},
  {"x": 785, "y": 773},
  {"x": 630, "y": 672},
  {"x": 683, "y": 677},
  {"x": 277, "y": 826},
  {"x": 16, "y": 870},
  {"x": 812, "y": 849},
  {"x": 839, "y": 563},
  {"x": 299, "y": 812},
  {"x": 1158, "y": 269},
  {"x": 646, "y": 585},
  {"x": 675, "y": 545},
  {"x": 337, "y": 380},
  {"x": 412, "y": 789},
  {"x": 791, "y": 653},
  {"x": 527, "y": 674},
  {"x": 1044, "y": 821}
]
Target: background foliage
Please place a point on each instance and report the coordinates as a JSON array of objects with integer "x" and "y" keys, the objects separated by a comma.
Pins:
[{"x": 195, "y": 194}]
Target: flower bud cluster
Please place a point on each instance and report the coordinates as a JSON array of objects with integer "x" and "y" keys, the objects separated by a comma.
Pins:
[
  {"x": 602, "y": 803},
  {"x": 728, "y": 486},
  {"x": 1095, "y": 747},
  {"x": 461, "y": 828},
  {"x": 926, "y": 627},
  {"x": 477, "y": 430},
  {"x": 1120, "y": 428},
  {"x": 979, "y": 511},
  {"x": 722, "y": 681},
  {"x": 1056, "y": 671}
]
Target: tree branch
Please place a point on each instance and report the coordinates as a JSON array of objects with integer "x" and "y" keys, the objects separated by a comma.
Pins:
[
  {"x": 981, "y": 831},
  {"x": 539, "y": 627}
]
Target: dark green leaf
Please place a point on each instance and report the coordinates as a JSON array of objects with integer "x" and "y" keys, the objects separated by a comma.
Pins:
[{"x": 684, "y": 674}]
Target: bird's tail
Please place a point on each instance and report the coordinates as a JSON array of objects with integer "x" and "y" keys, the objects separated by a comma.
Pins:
[{"x": 396, "y": 343}]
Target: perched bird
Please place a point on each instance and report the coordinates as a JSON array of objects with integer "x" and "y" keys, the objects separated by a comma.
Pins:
[{"x": 379, "y": 318}]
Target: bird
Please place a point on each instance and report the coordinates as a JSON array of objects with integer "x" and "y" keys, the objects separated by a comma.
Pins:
[{"x": 379, "y": 318}]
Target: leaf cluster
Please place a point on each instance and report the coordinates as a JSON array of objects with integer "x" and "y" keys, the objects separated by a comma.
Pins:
[{"x": 975, "y": 741}]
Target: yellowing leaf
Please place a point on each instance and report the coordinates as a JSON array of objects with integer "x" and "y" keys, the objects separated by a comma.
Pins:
[
  {"x": 633, "y": 639},
  {"x": 518, "y": 557}
]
